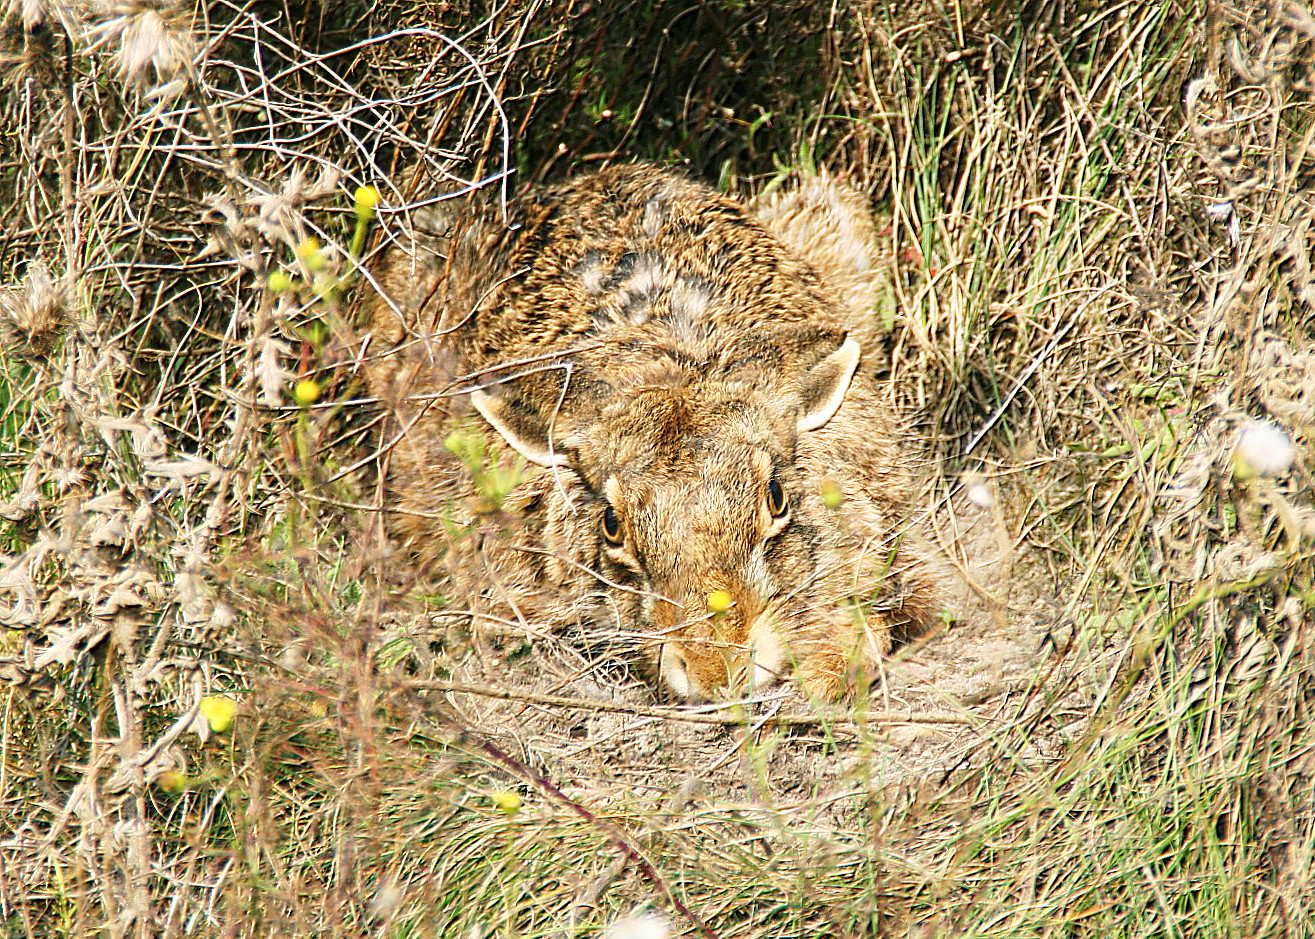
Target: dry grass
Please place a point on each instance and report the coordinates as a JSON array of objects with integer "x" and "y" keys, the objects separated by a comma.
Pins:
[{"x": 1099, "y": 295}]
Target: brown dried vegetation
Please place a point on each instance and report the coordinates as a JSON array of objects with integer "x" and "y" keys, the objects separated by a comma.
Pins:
[{"x": 1091, "y": 305}]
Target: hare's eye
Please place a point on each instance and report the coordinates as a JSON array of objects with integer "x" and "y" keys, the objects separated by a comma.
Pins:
[
  {"x": 611, "y": 527},
  {"x": 776, "y": 499}
]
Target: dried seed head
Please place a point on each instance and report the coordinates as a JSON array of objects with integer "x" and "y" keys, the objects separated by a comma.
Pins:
[
  {"x": 31, "y": 56},
  {"x": 142, "y": 33},
  {"x": 33, "y": 314},
  {"x": 34, "y": 13},
  {"x": 279, "y": 214},
  {"x": 387, "y": 901}
]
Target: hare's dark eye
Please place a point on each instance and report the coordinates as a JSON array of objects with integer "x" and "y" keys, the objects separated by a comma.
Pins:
[
  {"x": 776, "y": 499},
  {"x": 611, "y": 527}
]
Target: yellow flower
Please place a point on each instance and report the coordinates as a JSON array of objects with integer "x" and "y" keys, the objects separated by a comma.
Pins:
[
  {"x": 307, "y": 392},
  {"x": 506, "y": 801},
  {"x": 171, "y": 781},
  {"x": 312, "y": 255},
  {"x": 219, "y": 710},
  {"x": 367, "y": 200},
  {"x": 719, "y": 601}
]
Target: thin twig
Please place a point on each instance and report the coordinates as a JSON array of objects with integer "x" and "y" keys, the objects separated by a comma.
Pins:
[{"x": 684, "y": 714}]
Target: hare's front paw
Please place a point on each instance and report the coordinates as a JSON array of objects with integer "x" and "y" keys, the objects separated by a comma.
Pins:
[{"x": 832, "y": 669}]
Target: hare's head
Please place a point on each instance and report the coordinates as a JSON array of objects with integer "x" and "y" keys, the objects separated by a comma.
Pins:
[{"x": 706, "y": 527}]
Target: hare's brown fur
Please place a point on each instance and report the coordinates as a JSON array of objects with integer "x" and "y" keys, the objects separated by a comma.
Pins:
[{"x": 677, "y": 368}]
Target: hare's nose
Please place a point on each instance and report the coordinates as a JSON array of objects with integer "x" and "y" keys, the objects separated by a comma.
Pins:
[{"x": 674, "y": 669}]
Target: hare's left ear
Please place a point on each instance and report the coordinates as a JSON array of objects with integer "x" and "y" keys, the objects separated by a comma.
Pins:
[
  {"x": 823, "y": 387},
  {"x": 531, "y": 433}
]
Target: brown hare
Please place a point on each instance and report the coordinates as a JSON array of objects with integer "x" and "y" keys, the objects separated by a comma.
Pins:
[{"x": 674, "y": 390}]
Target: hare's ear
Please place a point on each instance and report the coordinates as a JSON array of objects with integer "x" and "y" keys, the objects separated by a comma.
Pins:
[
  {"x": 824, "y": 385},
  {"x": 530, "y": 433}
]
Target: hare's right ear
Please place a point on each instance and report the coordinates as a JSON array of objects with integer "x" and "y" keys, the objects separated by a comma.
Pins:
[
  {"x": 824, "y": 386},
  {"x": 531, "y": 434}
]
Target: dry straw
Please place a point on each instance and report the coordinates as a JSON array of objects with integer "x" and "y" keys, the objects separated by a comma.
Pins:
[{"x": 230, "y": 707}]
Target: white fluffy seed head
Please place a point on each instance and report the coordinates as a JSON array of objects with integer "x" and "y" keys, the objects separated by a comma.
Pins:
[
  {"x": 639, "y": 926},
  {"x": 1263, "y": 449},
  {"x": 145, "y": 35},
  {"x": 976, "y": 491}
]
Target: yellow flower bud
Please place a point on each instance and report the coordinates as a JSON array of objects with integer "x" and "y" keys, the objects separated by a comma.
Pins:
[
  {"x": 279, "y": 281},
  {"x": 171, "y": 781},
  {"x": 307, "y": 392},
  {"x": 719, "y": 601},
  {"x": 219, "y": 710},
  {"x": 367, "y": 200},
  {"x": 311, "y": 253},
  {"x": 506, "y": 801}
]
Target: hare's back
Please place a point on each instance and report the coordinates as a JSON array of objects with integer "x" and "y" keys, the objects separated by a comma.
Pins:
[{"x": 640, "y": 246}]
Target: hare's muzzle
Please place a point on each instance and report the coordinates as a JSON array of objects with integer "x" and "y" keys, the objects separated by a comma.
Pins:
[
  {"x": 674, "y": 669},
  {"x": 727, "y": 651}
]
